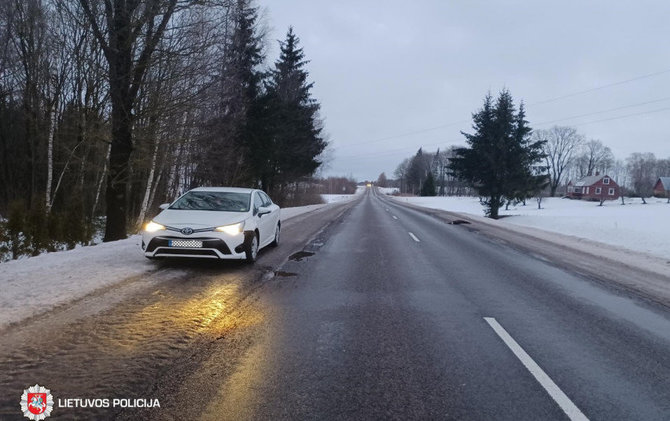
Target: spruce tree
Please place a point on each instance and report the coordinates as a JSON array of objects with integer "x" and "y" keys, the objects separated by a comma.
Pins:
[
  {"x": 500, "y": 160},
  {"x": 416, "y": 172},
  {"x": 225, "y": 158},
  {"x": 288, "y": 142},
  {"x": 428, "y": 188}
]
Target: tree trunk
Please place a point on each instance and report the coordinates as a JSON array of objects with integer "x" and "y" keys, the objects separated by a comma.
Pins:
[
  {"x": 102, "y": 178},
  {"x": 121, "y": 148},
  {"x": 156, "y": 184},
  {"x": 116, "y": 194},
  {"x": 150, "y": 179},
  {"x": 50, "y": 158},
  {"x": 494, "y": 207},
  {"x": 62, "y": 174}
]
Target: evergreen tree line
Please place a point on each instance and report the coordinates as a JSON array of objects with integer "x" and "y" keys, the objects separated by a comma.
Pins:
[
  {"x": 506, "y": 162},
  {"x": 107, "y": 112}
]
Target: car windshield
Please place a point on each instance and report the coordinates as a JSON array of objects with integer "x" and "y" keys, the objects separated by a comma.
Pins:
[{"x": 213, "y": 201}]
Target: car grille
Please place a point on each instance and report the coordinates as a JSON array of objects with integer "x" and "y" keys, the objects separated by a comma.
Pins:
[
  {"x": 186, "y": 243},
  {"x": 207, "y": 243}
]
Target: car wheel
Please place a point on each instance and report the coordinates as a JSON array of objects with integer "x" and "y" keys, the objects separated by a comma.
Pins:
[
  {"x": 275, "y": 243},
  {"x": 252, "y": 249}
]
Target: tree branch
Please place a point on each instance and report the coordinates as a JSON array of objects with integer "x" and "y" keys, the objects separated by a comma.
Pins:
[
  {"x": 94, "y": 25},
  {"x": 149, "y": 47}
]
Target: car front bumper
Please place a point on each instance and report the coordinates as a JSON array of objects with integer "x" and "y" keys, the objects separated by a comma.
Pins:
[{"x": 224, "y": 247}]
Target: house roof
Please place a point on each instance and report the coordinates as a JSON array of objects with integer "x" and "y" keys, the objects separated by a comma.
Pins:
[
  {"x": 666, "y": 182},
  {"x": 590, "y": 180}
]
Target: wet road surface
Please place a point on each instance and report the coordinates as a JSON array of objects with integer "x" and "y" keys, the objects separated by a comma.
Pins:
[{"x": 387, "y": 313}]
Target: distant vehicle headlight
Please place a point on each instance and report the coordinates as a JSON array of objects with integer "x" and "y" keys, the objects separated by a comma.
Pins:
[
  {"x": 233, "y": 229},
  {"x": 153, "y": 227}
]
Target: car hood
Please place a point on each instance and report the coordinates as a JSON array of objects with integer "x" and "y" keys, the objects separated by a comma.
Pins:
[{"x": 198, "y": 219}]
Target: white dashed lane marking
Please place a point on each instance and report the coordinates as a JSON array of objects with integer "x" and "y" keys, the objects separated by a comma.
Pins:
[{"x": 545, "y": 381}]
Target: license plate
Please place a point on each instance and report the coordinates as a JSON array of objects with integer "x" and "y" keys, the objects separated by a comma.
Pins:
[{"x": 185, "y": 243}]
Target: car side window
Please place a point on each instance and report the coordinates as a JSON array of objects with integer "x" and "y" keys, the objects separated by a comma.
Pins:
[
  {"x": 258, "y": 202},
  {"x": 266, "y": 199}
]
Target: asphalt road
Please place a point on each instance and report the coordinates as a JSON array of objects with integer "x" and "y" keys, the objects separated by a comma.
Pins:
[{"x": 380, "y": 312}]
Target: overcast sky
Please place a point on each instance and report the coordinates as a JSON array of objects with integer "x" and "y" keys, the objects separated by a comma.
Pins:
[{"x": 384, "y": 69}]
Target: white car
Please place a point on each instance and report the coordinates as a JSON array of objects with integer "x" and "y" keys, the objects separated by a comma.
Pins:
[{"x": 214, "y": 222}]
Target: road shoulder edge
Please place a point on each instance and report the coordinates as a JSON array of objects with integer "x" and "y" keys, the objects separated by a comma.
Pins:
[{"x": 635, "y": 272}]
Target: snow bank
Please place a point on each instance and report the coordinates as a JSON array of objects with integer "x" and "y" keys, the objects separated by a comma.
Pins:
[
  {"x": 388, "y": 190},
  {"x": 634, "y": 226},
  {"x": 34, "y": 285},
  {"x": 37, "y": 284},
  {"x": 287, "y": 213},
  {"x": 334, "y": 198}
]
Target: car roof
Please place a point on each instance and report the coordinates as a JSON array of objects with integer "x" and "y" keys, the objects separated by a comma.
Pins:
[{"x": 224, "y": 189}]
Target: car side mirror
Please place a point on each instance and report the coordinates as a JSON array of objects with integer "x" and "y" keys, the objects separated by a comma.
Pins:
[
  {"x": 263, "y": 211},
  {"x": 164, "y": 206}
]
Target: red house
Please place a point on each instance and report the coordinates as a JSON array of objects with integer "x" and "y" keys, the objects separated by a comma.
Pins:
[
  {"x": 594, "y": 187},
  {"x": 662, "y": 187}
]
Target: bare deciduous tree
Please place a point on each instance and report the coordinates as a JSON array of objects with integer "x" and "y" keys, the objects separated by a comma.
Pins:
[
  {"x": 595, "y": 157},
  {"x": 642, "y": 170},
  {"x": 561, "y": 145},
  {"x": 128, "y": 33}
]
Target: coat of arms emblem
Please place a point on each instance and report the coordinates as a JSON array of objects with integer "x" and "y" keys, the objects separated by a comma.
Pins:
[{"x": 37, "y": 403}]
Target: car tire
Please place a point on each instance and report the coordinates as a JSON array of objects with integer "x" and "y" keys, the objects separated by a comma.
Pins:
[
  {"x": 251, "y": 250},
  {"x": 275, "y": 242}
]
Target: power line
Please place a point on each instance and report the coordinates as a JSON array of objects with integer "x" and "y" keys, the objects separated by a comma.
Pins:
[
  {"x": 391, "y": 152},
  {"x": 624, "y": 116},
  {"x": 381, "y": 139},
  {"x": 617, "y": 83},
  {"x": 597, "y": 88},
  {"x": 602, "y": 112}
]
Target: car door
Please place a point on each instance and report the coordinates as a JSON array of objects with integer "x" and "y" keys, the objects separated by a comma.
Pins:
[
  {"x": 274, "y": 215},
  {"x": 264, "y": 222}
]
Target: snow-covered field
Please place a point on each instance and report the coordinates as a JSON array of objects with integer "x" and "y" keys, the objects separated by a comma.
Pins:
[
  {"x": 634, "y": 226},
  {"x": 34, "y": 285}
]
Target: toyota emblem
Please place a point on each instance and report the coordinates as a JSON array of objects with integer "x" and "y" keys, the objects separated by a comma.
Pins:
[{"x": 187, "y": 231}]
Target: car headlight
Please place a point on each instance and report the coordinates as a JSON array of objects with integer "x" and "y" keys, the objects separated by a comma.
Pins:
[
  {"x": 153, "y": 227},
  {"x": 232, "y": 229}
]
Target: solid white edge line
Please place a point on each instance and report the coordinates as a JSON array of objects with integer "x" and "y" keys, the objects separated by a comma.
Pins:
[
  {"x": 545, "y": 381},
  {"x": 414, "y": 237}
]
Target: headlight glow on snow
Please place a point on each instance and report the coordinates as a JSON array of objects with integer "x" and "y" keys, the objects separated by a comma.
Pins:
[
  {"x": 231, "y": 229},
  {"x": 153, "y": 227}
]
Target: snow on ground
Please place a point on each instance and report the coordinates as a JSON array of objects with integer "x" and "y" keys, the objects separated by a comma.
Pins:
[
  {"x": 334, "y": 198},
  {"x": 34, "y": 285},
  {"x": 287, "y": 213},
  {"x": 634, "y": 226},
  {"x": 387, "y": 190}
]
